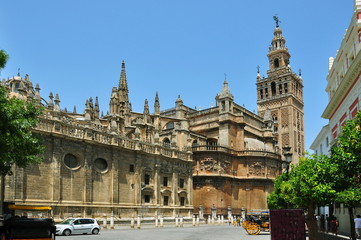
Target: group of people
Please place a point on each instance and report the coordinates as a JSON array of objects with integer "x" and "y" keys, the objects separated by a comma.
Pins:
[
  {"x": 327, "y": 224},
  {"x": 235, "y": 221}
]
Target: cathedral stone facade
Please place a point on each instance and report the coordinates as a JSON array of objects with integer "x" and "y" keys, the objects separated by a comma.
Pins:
[{"x": 176, "y": 162}]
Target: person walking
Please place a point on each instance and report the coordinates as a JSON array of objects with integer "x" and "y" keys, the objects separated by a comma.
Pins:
[
  {"x": 334, "y": 225},
  {"x": 357, "y": 221},
  {"x": 322, "y": 222},
  {"x": 238, "y": 221},
  {"x": 318, "y": 219}
]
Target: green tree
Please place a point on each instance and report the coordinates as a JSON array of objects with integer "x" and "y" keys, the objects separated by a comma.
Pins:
[
  {"x": 3, "y": 59},
  {"x": 18, "y": 145},
  {"x": 308, "y": 184},
  {"x": 347, "y": 155}
]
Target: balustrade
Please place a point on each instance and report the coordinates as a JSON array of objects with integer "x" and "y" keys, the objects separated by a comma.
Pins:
[{"x": 98, "y": 133}]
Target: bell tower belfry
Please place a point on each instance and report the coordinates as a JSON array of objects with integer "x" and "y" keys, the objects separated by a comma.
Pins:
[{"x": 282, "y": 93}]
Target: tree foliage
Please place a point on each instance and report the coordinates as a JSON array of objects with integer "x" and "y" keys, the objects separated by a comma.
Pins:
[
  {"x": 346, "y": 153},
  {"x": 321, "y": 180},
  {"x": 3, "y": 58},
  {"x": 18, "y": 145},
  {"x": 307, "y": 185},
  {"x": 309, "y": 182}
]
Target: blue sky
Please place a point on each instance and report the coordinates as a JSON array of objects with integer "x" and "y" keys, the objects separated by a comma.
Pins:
[{"x": 75, "y": 48}]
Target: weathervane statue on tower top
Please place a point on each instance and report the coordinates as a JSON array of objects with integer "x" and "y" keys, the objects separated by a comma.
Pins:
[{"x": 276, "y": 20}]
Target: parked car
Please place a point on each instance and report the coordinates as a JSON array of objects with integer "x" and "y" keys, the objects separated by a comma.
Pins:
[{"x": 78, "y": 226}]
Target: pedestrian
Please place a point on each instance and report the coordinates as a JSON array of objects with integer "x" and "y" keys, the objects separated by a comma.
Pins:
[
  {"x": 238, "y": 222},
  {"x": 327, "y": 223},
  {"x": 322, "y": 222},
  {"x": 318, "y": 219},
  {"x": 334, "y": 225},
  {"x": 357, "y": 221}
]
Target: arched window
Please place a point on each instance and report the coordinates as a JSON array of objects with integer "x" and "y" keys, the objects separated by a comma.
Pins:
[
  {"x": 169, "y": 125},
  {"x": 273, "y": 88},
  {"x": 276, "y": 63},
  {"x": 286, "y": 87},
  {"x": 166, "y": 143}
]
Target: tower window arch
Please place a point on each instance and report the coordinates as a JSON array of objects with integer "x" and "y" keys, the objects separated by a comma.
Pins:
[
  {"x": 276, "y": 63},
  {"x": 273, "y": 88}
]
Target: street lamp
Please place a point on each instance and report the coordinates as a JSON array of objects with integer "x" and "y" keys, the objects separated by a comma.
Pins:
[{"x": 288, "y": 158}]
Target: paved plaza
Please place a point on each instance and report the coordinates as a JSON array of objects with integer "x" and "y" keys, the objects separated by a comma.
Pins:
[{"x": 203, "y": 232}]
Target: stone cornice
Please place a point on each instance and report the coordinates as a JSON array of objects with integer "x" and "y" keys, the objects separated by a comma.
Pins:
[{"x": 345, "y": 86}]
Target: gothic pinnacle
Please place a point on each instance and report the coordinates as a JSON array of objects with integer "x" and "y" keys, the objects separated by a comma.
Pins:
[{"x": 123, "y": 78}]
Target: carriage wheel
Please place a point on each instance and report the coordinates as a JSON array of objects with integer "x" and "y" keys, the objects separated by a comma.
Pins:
[
  {"x": 245, "y": 223},
  {"x": 253, "y": 228}
]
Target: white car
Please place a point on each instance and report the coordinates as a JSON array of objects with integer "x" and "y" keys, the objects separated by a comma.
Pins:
[{"x": 78, "y": 226}]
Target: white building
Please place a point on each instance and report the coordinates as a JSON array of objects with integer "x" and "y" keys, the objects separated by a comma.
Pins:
[{"x": 344, "y": 93}]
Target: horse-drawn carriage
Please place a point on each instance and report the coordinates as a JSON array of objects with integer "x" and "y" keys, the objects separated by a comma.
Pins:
[
  {"x": 16, "y": 227},
  {"x": 256, "y": 222}
]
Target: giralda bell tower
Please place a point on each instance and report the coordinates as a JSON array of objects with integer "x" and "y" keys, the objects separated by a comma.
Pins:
[{"x": 282, "y": 93}]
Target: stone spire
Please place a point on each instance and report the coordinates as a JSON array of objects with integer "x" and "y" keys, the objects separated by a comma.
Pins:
[
  {"x": 178, "y": 102},
  {"x": 146, "y": 112},
  {"x": 57, "y": 103},
  {"x": 96, "y": 108},
  {"x": 51, "y": 103},
  {"x": 114, "y": 103},
  {"x": 156, "y": 104},
  {"x": 123, "y": 79},
  {"x": 225, "y": 99},
  {"x": 37, "y": 96},
  {"x": 146, "y": 107},
  {"x": 87, "y": 111},
  {"x": 226, "y": 93},
  {"x": 123, "y": 92}
]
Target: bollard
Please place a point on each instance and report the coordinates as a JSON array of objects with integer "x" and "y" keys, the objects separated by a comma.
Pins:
[
  {"x": 176, "y": 222},
  {"x": 132, "y": 223},
  {"x": 197, "y": 221},
  {"x": 222, "y": 219},
  {"x": 181, "y": 222},
  {"x": 218, "y": 220},
  {"x": 138, "y": 222},
  {"x": 105, "y": 221},
  {"x": 112, "y": 221},
  {"x": 209, "y": 219},
  {"x": 156, "y": 221},
  {"x": 194, "y": 221},
  {"x": 161, "y": 221}
]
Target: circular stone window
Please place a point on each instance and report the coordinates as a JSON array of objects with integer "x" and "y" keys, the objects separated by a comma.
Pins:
[
  {"x": 101, "y": 164},
  {"x": 71, "y": 161}
]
